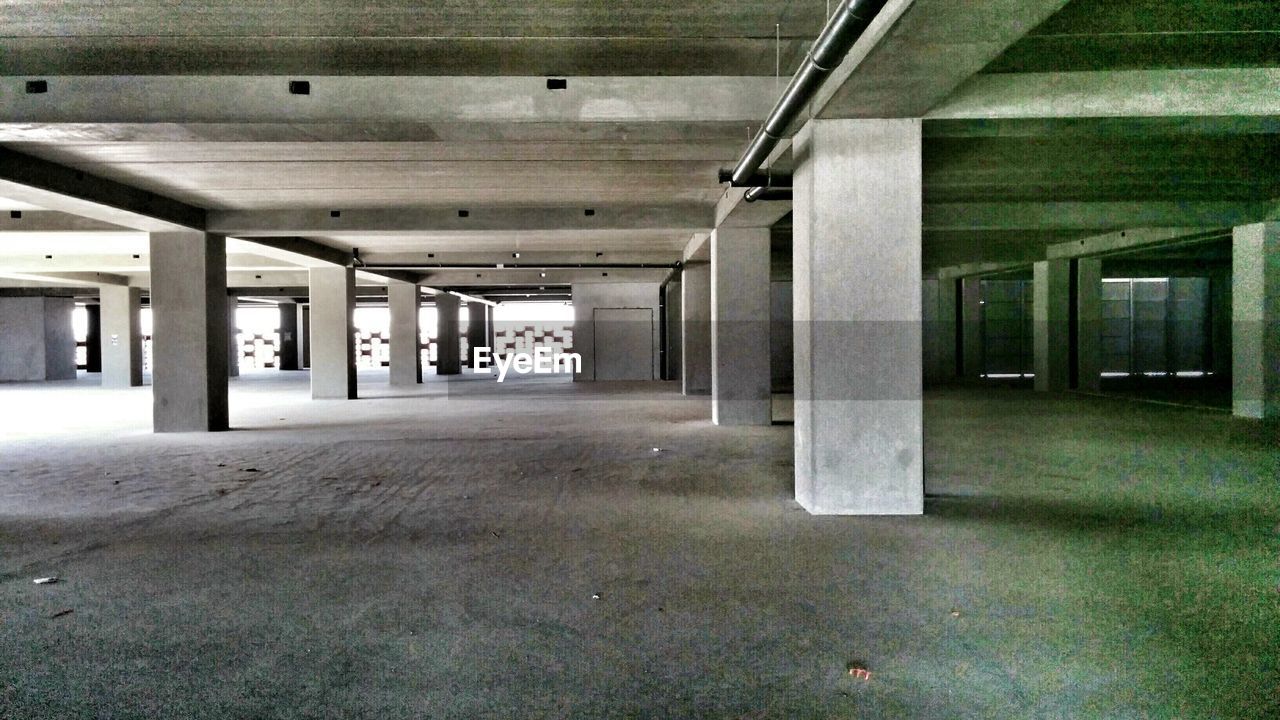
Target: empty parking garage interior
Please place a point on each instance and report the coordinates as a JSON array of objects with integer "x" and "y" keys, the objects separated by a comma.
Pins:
[{"x": 757, "y": 359}]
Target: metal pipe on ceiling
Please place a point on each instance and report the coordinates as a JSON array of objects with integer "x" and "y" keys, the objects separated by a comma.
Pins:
[
  {"x": 844, "y": 28},
  {"x": 767, "y": 193}
]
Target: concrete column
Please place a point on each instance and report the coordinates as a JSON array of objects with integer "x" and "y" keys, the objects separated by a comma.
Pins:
[
  {"x": 857, "y": 279},
  {"x": 948, "y": 330},
  {"x": 741, "y": 386},
  {"x": 304, "y": 333},
  {"x": 448, "y": 345},
  {"x": 971, "y": 328},
  {"x": 1255, "y": 310},
  {"x": 1089, "y": 324},
  {"x": 287, "y": 357},
  {"x": 936, "y": 337},
  {"x": 332, "y": 338},
  {"x": 121, "y": 337},
  {"x": 489, "y": 329},
  {"x": 93, "y": 339},
  {"x": 233, "y": 339},
  {"x": 672, "y": 295},
  {"x": 477, "y": 334},
  {"x": 403, "y": 300},
  {"x": 37, "y": 341},
  {"x": 1052, "y": 324},
  {"x": 189, "y": 331},
  {"x": 695, "y": 328}
]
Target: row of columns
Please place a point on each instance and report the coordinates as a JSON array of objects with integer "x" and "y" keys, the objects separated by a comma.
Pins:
[
  {"x": 193, "y": 353},
  {"x": 860, "y": 315},
  {"x": 1250, "y": 296}
]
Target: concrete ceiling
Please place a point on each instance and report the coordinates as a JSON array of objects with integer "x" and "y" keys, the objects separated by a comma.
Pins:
[{"x": 443, "y": 106}]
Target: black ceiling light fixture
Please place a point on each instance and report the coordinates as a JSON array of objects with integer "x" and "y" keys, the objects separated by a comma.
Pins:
[
  {"x": 299, "y": 87},
  {"x": 37, "y": 87},
  {"x": 15, "y": 214},
  {"x": 557, "y": 83},
  {"x": 464, "y": 213}
]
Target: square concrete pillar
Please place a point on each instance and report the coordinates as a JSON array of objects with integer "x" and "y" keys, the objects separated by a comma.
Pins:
[
  {"x": 695, "y": 328},
  {"x": 477, "y": 333},
  {"x": 488, "y": 326},
  {"x": 234, "y": 349},
  {"x": 189, "y": 331},
  {"x": 741, "y": 386},
  {"x": 1052, "y": 325},
  {"x": 971, "y": 328},
  {"x": 1089, "y": 324},
  {"x": 37, "y": 341},
  {"x": 1255, "y": 309},
  {"x": 121, "y": 336},
  {"x": 448, "y": 341},
  {"x": 332, "y": 338},
  {"x": 858, "y": 204},
  {"x": 404, "y": 302},
  {"x": 93, "y": 339},
  {"x": 287, "y": 354}
]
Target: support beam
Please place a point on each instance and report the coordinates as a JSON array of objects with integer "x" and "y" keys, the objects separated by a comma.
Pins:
[
  {"x": 857, "y": 282},
  {"x": 332, "y": 338},
  {"x": 448, "y": 342},
  {"x": 189, "y": 331},
  {"x": 52, "y": 186},
  {"x": 1052, "y": 325},
  {"x": 448, "y": 222},
  {"x": 1088, "y": 350},
  {"x": 1255, "y": 301},
  {"x": 121, "y": 336},
  {"x": 406, "y": 99},
  {"x": 404, "y": 302},
  {"x": 741, "y": 386},
  {"x": 1115, "y": 94},
  {"x": 1099, "y": 216},
  {"x": 288, "y": 358}
]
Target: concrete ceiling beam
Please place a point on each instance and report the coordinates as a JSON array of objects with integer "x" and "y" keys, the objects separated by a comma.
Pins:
[
  {"x": 385, "y": 99},
  {"x": 917, "y": 52},
  {"x": 49, "y": 185},
  {"x": 1101, "y": 216},
  {"x": 1239, "y": 92},
  {"x": 77, "y": 279},
  {"x": 266, "y": 223}
]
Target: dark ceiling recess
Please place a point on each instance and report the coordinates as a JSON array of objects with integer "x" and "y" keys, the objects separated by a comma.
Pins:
[
  {"x": 37, "y": 87},
  {"x": 15, "y": 214},
  {"x": 464, "y": 213},
  {"x": 335, "y": 213},
  {"x": 299, "y": 87},
  {"x": 557, "y": 84}
]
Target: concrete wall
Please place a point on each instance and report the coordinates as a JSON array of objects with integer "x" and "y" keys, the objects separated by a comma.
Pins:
[
  {"x": 589, "y": 297},
  {"x": 36, "y": 339}
]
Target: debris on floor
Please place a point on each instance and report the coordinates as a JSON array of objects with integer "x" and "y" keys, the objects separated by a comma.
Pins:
[
  {"x": 595, "y": 596},
  {"x": 859, "y": 670},
  {"x": 60, "y": 613},
  {"x": 46, "y": 580},
  {"x": 955, "y": 613},
  {"x": 250, "y": 470}
]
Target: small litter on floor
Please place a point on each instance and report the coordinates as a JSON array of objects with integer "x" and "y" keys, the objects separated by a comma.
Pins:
[
  {"x": 46, "y": 580},
  {"x": 858, "y": 670},
  {"x": 657, "y": 449},
  {"x": 955, "y": 613},
  {"x": 595, "y": 596},
  {"x": 60, "y": 613},
  {"x": 250, "y": 470}
]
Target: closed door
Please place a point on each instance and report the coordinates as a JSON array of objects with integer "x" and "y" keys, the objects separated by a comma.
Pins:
[{"x": 623, "y": 343}]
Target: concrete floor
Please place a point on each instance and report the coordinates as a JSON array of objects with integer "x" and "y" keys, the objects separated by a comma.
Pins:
[{"x": 436, "y": 553}]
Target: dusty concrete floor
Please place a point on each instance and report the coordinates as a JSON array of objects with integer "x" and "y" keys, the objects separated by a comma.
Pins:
[{"x": 436, "y": 553}]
